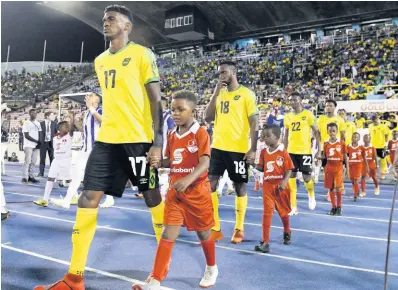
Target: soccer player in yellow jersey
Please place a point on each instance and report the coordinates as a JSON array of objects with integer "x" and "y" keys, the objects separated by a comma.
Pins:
[
  {"x": 359, "y": 121},
  {"x": 297, "y": 140},
  {"x": 234, "y": 111},
  {"x": 131, "y": 131},
  {"x": 379, "y": 136},
  {"x": 350, "y": 127}
]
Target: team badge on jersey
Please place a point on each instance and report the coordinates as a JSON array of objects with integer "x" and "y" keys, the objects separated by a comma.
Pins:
[
  {"x": 192, "y": 146},
  {"x": 303, "y": 118},
  {"x": 126, "y": 61},
  {"x": 279, "y": 161},
  {"x": 236, "y": 98}
]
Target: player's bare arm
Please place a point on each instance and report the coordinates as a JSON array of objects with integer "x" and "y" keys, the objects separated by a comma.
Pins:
[
  {"x": 91, "y": 106},
  {"x": 251, "y": 154},
  {"x": 210, "y": 112},
  {"x": 347, "y": 162},
  {"x": 317, "y": 136},
  {"x": 182, "y": 184},
  {"x": 153, "y": 91},
  {"x": 27, "y": 136},
  {"x": 285, "y": 180}
]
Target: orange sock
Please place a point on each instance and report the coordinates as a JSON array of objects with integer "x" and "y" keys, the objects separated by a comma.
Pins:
[
  {"x": 339, "y": 197},
  {"x": 332, "y": 198},
  {"x": 355, "y": 187},
  {"x": 267, "y": 219},
  {"x": 286, "y": 223},
  {"x": 209, "y": 249},
  {"x": 363, "y": 184},
  {"x": 162, "y": 258},
  {"x": 374, "y": 177}
]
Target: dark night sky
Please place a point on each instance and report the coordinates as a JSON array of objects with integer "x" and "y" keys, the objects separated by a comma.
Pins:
[{"x": 25, "y": 26}]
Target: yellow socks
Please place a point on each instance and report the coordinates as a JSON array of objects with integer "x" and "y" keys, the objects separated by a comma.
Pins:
[
  {"x": 240, "y": 210},
  {"x": 310, "y": 187},
  {"x": 293, "y": 192},
  {"x": 383, "y": 165},
  {"x": 214, "y": 198},
  {"x": 82, "y": 236},
  {"x": 157, "y": 219}
]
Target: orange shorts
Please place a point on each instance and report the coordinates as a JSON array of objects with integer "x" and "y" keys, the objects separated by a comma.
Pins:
[
  {"x": 356, "y": 171},
  {"x": 275, "y": 198},
  {"x": 372, "y": 171},
  {"x": 334, "y": 177},
  {"x": 193, "y": 208}
]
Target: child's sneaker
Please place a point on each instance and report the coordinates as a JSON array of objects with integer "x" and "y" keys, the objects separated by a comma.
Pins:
[
  {"x": 69, "y": 282},
  {"x": 287, "y": 238},
  {"x": 333, "y": 211},
  {"x": 151, "y": 285},
  {"x": 262, "y": 247},
  {"x": 209, "y": 277},
  {"x": 339, "y": 211},
  {"x": 377, "y": 190},
  {"x": 362, "y": 194}
]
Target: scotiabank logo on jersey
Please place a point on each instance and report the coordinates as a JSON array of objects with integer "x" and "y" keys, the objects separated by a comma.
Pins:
[
  {"x": 271, "y": 166},
  {"x": 178, "y": 158}
]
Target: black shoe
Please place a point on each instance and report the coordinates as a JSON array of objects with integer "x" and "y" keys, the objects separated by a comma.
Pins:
[
  {"x": 287, "y": 238},
  {"x": 339, "y": 211},
  {"x": 355, "y": 198},
  {"x": 262, "y": 247},
  {"x": 333, "y": 211},
  {"x": 5, "y": 216},
  {"x": 33, "y": 180},
  {"x": 24, "y": 180},
  {"x": 40, "y": 175}
]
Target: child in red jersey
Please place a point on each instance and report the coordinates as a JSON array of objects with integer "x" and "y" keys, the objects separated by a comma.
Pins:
[
  {"x": 357, "y": 161},
  {"x": 371, "y": 158},
  {"x": 188, "y": 201},
  {"x": 393, "y": 145},
  {"x": 277, "y": 166},
  {"x": 335, "y": 153}
]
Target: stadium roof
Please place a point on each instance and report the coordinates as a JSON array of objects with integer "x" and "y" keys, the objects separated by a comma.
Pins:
[{"x": 232, "y": 19}]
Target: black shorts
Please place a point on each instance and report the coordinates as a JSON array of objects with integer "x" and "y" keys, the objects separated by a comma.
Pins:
[
  {"x": 232, "y": 162},
  {"x": 110, "y": 166},
  {"x": 381, "y": 153},
  {"x": 302, "y": 163}
]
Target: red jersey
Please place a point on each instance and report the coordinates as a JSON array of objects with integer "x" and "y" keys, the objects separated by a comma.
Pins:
[
  {"x": 369, "y": 153},
  {"x": 355, "y": 154},
  {"x": 275, "y": 164},
  {"x": 185, "y": 150},
  {"x": 335, "y": 154},
  {"x": 392, "y": 146}
]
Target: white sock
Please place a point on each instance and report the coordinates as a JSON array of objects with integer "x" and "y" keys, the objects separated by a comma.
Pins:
[
  {"x": 72, "y": 190},
  {"x": 3, "y": 201},
  {"x": 230, "y": 184},
  {"x": 221, "y": 183},
  {"x": 317, "y": 171},
  {"x": 48, "y": 189}
]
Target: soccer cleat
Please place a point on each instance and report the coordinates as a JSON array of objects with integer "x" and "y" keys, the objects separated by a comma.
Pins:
[
  {"x": 209, "y": 277},
  {"x": 5, "y": 216},
  {"x": 262, "y": 247},
  {"x": 153, "y": 284},
  {"x": 75, "y": 199},
  {"x": 229, "y": 192},
  {"x": 383, "y": 176},
  {"x": 377, "y": 190},
  {"x": 333, "y": 211},
  {"x": 311, "y": 202},
  {"x": 41, "y": 202},
  {"x": 355, "y": 198},
  {"x": 294, "y": 211},
  {"x": 24, "y": 180},
  {"x": 287, "y": 238},
  {"x": 362, "y": 194},
  {"x": 216, "y": 235},
  {"x": 256, "y": 185},
  {"x": 33, "y": 180},
  {"x": 107, "y": 203},
  {"x": 237, "y": 237},
  {"x": 60, "y": 202},
  {"x": 339, "y": 211},
  {"x": 69, "y": 282}
]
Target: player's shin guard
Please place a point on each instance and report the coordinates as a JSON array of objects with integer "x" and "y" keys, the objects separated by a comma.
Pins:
[
  {"x": 157, "y": 219},
  {"x": 339, "y": 194},
  {"x": 82, "y": 236},
  {"x": 383, "y": 165},
  {"x": 267, "y": 219},
  {"x": 332, "y": 198},
  {"x": 293, "y": 192},
  {"x": 310, "y": 188},
  {"x": 286, "y": 223},
  {"x": 209, "y": 249},
  {"x": 363, "y": 185},
  {"x": 162, "y": 259},
  {"x": 214, "y": 198},
  {"x": 355, "y": 187},
  {"x": 47, "y": 190},
  {"x": 240, "y": 210}
]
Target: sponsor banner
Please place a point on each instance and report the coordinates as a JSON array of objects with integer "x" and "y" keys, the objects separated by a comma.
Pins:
[{"x": 369, "y": 106}]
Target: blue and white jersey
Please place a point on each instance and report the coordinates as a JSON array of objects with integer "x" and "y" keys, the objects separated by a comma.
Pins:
[
  {"x": 90, "y": 130},
  {"x": 168, "y": 124}
]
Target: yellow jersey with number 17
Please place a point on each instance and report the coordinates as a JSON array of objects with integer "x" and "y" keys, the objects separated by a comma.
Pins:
[
  {"x": 126, "y": 107},
  {"x": 231, "y": 123},
  {"x": 300, "y": 127}
]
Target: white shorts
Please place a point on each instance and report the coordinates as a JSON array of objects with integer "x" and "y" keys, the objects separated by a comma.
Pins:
[{"x": 60, "y": 169}]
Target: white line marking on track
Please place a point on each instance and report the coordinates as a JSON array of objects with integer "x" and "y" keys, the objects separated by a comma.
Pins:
[
  {"x": 100, "y": 272},
  {"x": 231, "y": 249}
]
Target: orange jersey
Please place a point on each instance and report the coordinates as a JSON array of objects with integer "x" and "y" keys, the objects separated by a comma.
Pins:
[
  {"x": 370, "y": 152},
  {"x": 334, "y": 154},
  {"x": 392, "y": 146},
  {"x": 275, "y": 164},
  {"x": 355, "y": 154},
  {"x": 185, "y": 150}
]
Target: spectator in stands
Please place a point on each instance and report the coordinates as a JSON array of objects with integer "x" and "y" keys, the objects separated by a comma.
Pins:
[
  {"x": 48, "y": 131},
  {"x": 389, "y": 92},
  {"x": 31, "y": 130}
]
